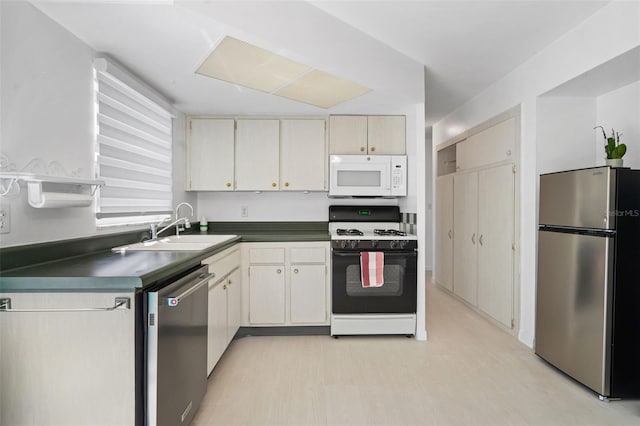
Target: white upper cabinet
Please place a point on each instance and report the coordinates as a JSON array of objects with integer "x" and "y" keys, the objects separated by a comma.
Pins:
[
  {"x": 257, "y": 155},
  {"x": 371, "y": 135},
  {"x": 386, "y": 134},
  {"x": 348, "y": 134},
  {"x": 492, "y": 145},
  {"x": 303, "y": 155},
  {"x": 210, "y": 154}
]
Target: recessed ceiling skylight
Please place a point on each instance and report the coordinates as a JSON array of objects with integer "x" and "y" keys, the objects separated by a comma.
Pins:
[
  {"x": 321, "y": 89},
  {"x": 241, "y": 63}
]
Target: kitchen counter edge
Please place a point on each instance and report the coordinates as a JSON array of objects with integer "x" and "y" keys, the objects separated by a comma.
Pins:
[{"x": 47, "y": 277}]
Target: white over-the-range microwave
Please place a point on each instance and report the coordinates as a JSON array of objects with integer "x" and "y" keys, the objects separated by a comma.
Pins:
[{"x": 367, "y": 175}]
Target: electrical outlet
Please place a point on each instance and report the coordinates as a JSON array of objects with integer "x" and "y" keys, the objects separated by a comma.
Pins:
[
  {"x": 244, "y": 211},
  {"x": 5, "y": 219}
]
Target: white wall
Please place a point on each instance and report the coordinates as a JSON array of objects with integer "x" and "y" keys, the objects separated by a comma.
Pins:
[
  {"x": 429, "y": 216},
  {"x": 583, "y": 48},
  {"x": 565, "y": 133},
  {"x": 274, "y": 206},
  {"x": 47, "y": 112},
  {"x": 47, "y": 97},
  {"x": 620, "y": 109}
]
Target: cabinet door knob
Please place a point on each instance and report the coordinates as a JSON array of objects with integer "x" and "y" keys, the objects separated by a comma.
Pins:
[
  {"x": 273, "y": 184},
  {"x": 295, "y": 271},
  {"x": 372, "y": 149},
  {"x": 480, "y": 240},
  {"x": 473, "y": 238},
  {"x": 229, "y": 281},
  {"x": 286, "y": 184},
  {"x": 449, "y": 233},
  {"x": 508, "y": 153},
  {"x": 278, "y": 271},
  {"x": 362, "y": 149},
  {"x": 224, "y": 287},
  {"x": 228, "y": 184}
]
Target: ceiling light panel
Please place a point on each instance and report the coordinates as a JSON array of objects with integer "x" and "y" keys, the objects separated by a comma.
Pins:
[
  {"x": 321, "y": 89},
  {"x": 241, "y": 63}
]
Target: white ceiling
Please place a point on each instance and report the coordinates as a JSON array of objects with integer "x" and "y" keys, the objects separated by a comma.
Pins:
[{"x": 464, "y": 46}]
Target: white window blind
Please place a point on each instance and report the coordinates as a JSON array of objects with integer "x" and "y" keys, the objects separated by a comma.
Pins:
[{"x": 134, "y": 151}]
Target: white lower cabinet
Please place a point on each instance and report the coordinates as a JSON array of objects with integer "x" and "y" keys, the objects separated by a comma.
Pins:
[
  {"x": 224, "y": 302},
  {"x": 308, "y": 294},
  {"x": 71, "y": 367},
  {"x": 234, "y": 303},
  {"x": 217, "y": 324},
  {"x": 266, "y": 294},
  {"x": 287, "y": 284}
]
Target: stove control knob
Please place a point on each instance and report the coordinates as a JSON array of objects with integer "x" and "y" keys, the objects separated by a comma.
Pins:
[
  {"x": 374, "y": 243},
  {"x": 394, "y": 244},
  {"x": 343, "y": 244},
  {"x": 354, "y": 243},
  {"x": 403, "y": 244}
]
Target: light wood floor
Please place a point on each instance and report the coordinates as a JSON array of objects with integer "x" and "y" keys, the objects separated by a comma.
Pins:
[{"x": 467, "y": 373}]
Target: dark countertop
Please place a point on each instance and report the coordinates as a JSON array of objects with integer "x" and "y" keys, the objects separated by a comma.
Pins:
[{"x": 105, "y": 270}]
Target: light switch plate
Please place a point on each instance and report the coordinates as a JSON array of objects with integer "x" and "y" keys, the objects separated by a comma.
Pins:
[{"x": 5, "y": 219}]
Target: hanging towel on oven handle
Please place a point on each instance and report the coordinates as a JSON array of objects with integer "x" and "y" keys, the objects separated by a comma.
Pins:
[{"x": 372, "y": 268}]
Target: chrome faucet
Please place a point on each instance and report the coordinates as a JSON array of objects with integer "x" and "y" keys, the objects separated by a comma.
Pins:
[
  {"x": 187, "y": 224},
  {"x": 178, "y": 222},
  {"x": 155, "y": 232}
]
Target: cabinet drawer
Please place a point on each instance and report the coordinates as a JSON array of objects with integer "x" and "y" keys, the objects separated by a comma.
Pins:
[
  {"x": 308, "y": 255},
  {"x": 223, "y": 263},
  {"x": 266, "y": 255}
]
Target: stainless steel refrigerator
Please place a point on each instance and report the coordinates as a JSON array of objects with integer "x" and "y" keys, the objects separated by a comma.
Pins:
[{"x": 588, "y": 282}]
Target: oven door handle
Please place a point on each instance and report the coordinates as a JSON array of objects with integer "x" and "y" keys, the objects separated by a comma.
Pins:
[{"x": 386, "y": 253}]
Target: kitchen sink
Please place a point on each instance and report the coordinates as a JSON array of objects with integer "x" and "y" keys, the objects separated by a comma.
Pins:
[{"x": 177, "y": 243}]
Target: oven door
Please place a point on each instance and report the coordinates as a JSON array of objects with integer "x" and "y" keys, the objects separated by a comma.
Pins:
[{"x": 396, "y": 295}]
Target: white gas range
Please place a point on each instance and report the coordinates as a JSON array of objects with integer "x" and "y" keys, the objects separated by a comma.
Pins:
[{"x": 366, "y": 241}]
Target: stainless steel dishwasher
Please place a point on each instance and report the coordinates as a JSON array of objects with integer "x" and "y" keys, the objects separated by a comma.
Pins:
[{"x": 177, "y": 349}]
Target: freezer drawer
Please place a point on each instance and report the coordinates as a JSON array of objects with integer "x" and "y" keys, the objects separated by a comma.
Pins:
[
  {"x": 573, "y": 306},
  {"x": 578, "y": 198}
]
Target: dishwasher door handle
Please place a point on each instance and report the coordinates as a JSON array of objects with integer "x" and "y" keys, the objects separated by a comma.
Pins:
[
  {"x": 120, "y": 302},
  {"x": 202, "y": 280}
]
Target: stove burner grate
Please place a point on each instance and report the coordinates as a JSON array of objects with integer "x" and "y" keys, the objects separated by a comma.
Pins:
[
  {"x": 393, "y": 232},
  {"x": 349, "y": 232}
]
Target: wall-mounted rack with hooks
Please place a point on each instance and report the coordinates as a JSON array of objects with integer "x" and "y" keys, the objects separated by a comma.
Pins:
[{"x": 39, "y": 198}]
